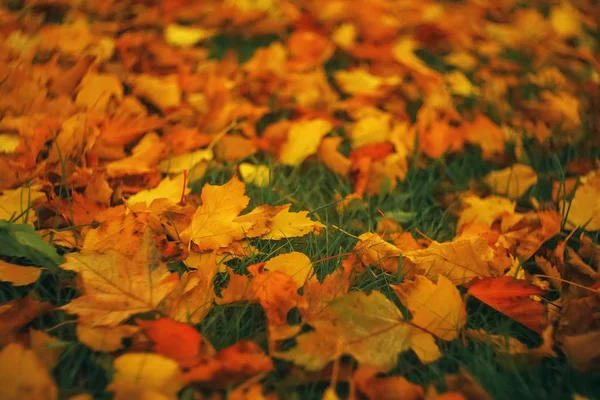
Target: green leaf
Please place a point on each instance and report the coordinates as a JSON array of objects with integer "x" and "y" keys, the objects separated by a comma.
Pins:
[{"x": 21, "y": 240}]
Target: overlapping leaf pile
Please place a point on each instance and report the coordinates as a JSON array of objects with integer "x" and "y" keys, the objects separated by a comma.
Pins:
[{"x": 111, "y": 112}]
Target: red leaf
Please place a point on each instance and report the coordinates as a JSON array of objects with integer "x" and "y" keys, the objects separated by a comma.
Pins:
[
  {"x": 176, "y": 340},
  {"x": 510, "y": 296}
]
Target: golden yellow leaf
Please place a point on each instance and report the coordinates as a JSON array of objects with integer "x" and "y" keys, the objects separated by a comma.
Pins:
[
  {"x": 102, "y": 338},
  {"x": 523, "y": 234},
  {"x": 367, "y": 326},
  {"x": 24, "y": 376},
  {"x": 141, "y": 376},
  {"x": 303, "y": 140},
  {"x": 373, "y": 250},
  {"x": 16, "y": 202},
  {"x": 163, "y": 92},
  {"x": 460, "y": 85},
  {"x": 96, "y": 90},
  {"x": 193, "y": 299},
  {"x": 291, "y": 224},
  {"x": 169, "y": 188},
  {"x": 460, "y": 260},
  {"x": 186, "y": 36},
  {"x": 362, "y": 82},
  {"x": 185, "y": 162},
  {"x": 115, "y": 287},
  {"x": 47, "y": 348},
  {"x": 333, "y": 159},
  {"x": 565, "y": 20},
  {"x": 373, "y": 126},
  {"x": 18, "y": 275},
  {"x": 9, "y": 143},
  {"x": 75, "y": 137},
  {"x": 295, "y": 264},
  {"x": 259, "y": 175},
  {"x": 584, "y": 210},
  {"x": 484, "y": 211},
  {"x": 404, "y": 53},
  {"x": 513, "y": 181},
  {"x": 436, "y": 307},
  {"x": 213, "y": 224}
]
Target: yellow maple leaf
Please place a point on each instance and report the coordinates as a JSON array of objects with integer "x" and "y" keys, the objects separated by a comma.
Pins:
[
  {"x": 373, "y": 250},
  {"x": 291, "y": 224},
  {"x": 484, "y": 211},
  {"x": 565, "y": 20},
  {"x": 163, "y": 92},
  {"x": 193, "y": 298},
  {"x": 115, "y": 286},
  {"x": 460, "y": 260},
  {"x": 368, "y": 327},
  {"x": 169, "y": 188},
  {"x": 9, "y": 143},
  {"x": 295, "y": 264},
  {"x": 436, "y": 307},
  {"x": 303, "y": 140},
  {"x": 373, "y": 126},
  {"x": 513, "y": 181},
  {"x": 146, "y": 376},
  {"x": 18, "y": 275},
  {"x": 15, "y": 203},
  {"x": 259, "y": 175},
  {"x": 403, "y": 52},
  {"x": 103, "y": 338},
  {"x": 362, "y": 82},
  {"x": 186, "y": 36},
  {"x": 213, "y": 224},
  {"x": 584, "y": 209},
  {"x": 24, "y": 376},
  {"x": 460, "y": 85}
]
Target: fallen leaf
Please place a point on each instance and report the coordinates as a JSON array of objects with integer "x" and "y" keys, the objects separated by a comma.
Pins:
[
  {"x": 484, "y": 211},
  {"x": 163, "y": 92},
  {"x": 295, "y": 264},
  {"x": 177, "y": 341},
  {"x": 115, "y": 287},
  {"x": 17, "y": 313},
  {"x": 23, "y": 375},
  {"x": 101, "y": 338},
  {"x": 145, "y": 376},
  {"x": 172, "y": 189},
  {"x": 584, "y": 209},
  {"x": 18, "y": 275},
  {"x": 15, "y": 204},
  {"x": 460, "y": 260},
  {"x": 235, "y": 363},
  {"x": 512, "y": 182},
  {"x": 334, "y": 160},
  {"x": 303, "y": 140},
  {"x": 436, "y": 307},
  {"x": 372, "y": 386},
  {"x": 258, "y": 175},
  {"x": 47, "y": 348},
  {"x": 511, "y": 297},
  {"x": 213, "y": 224}
]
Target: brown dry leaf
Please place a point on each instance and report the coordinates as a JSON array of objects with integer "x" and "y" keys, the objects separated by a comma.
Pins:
[
  {"x": 145, "y": 376},
  {"x": 24, "y": 376},
  {"x": 17, "y": 313},
  {"x": 213, "y": 224},
  {"x": 523, "y": 234},
  {"x": 18, "y": 275},
  {"x": 460, "y": 260},
  {"x": 115, "y": 287},
  {"x": 551, "y": 272},
  {"x": 436, "y": 307},
  {"x": 101, "y": 338}
]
